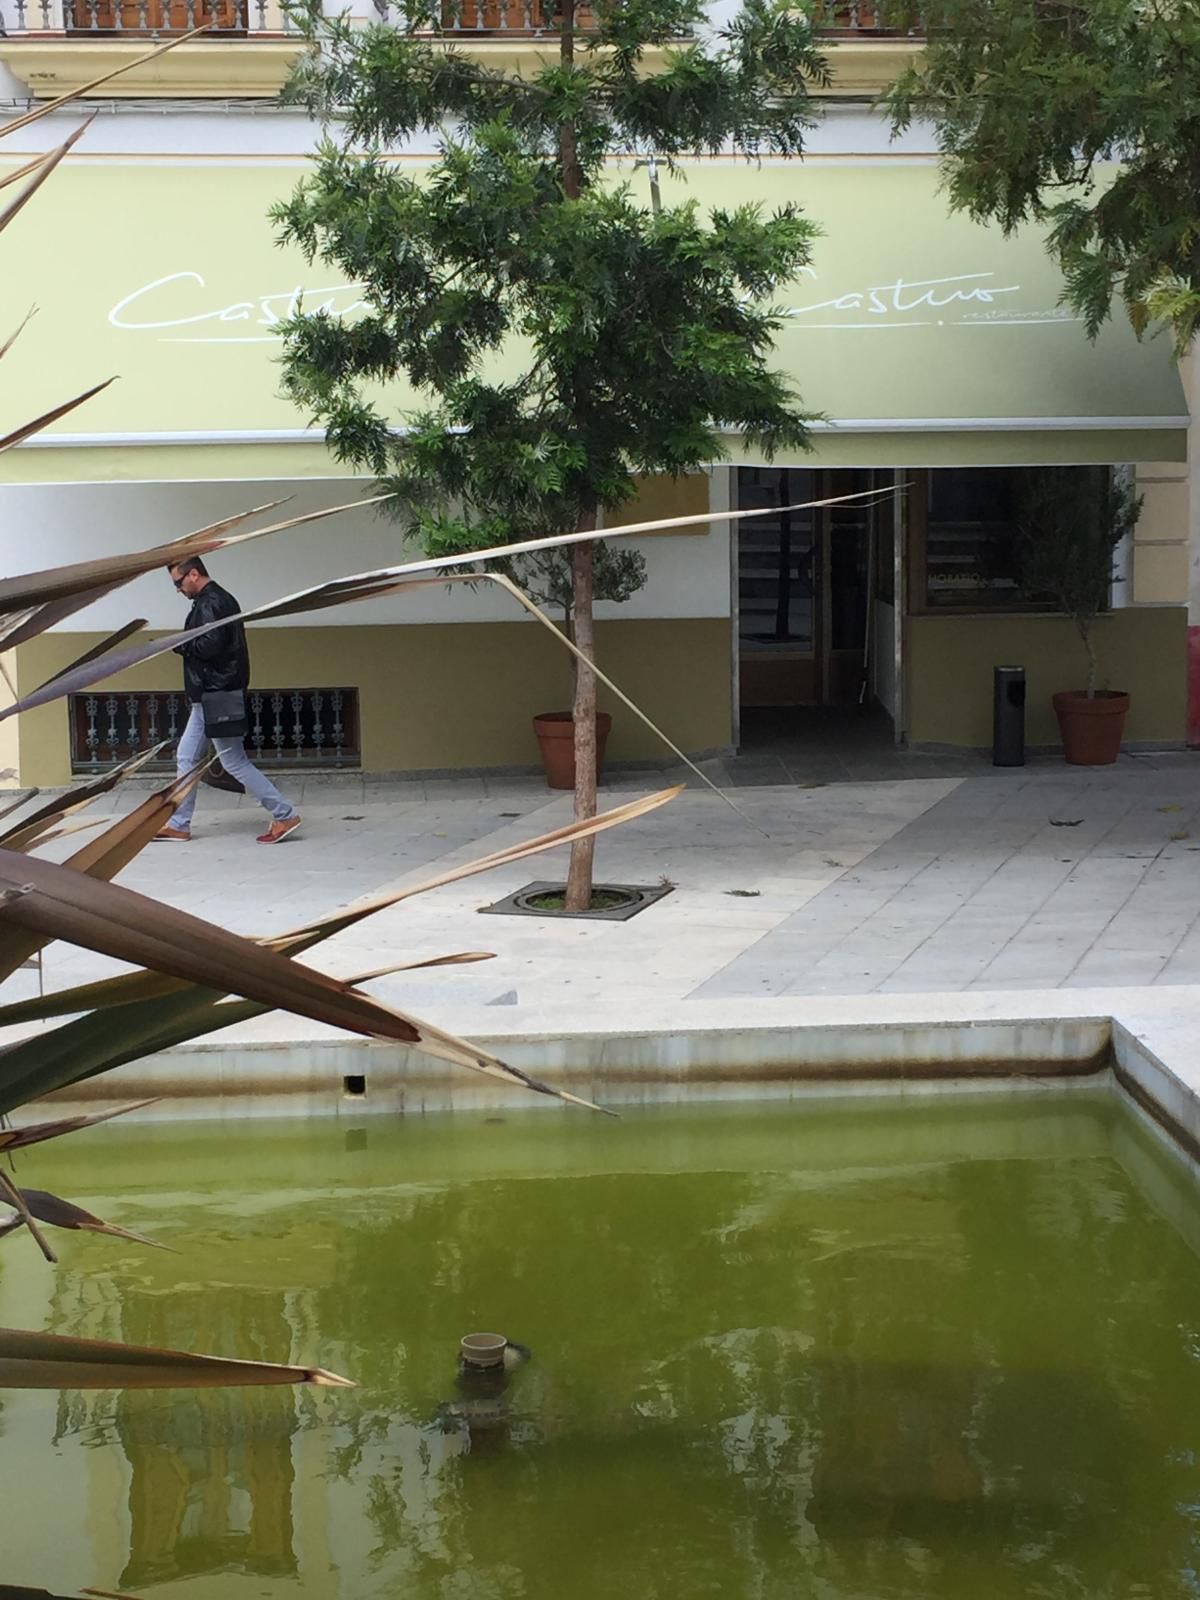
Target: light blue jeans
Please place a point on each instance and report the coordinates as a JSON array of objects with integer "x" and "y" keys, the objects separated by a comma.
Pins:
[{"x": 193, "y": 742}]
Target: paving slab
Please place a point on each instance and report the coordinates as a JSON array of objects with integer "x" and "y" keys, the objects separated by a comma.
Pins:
[{"x": 914, "y": 885}]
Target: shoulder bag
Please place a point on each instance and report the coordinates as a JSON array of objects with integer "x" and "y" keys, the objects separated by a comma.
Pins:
[{"x": 225, "y": 713}]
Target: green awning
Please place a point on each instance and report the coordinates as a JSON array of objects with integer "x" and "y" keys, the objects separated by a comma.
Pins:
[
  {"x": 927, "y": 340},
  {"x": 924, "y": 339}
]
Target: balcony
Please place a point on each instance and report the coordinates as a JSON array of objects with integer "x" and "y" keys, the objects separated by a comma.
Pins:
[
  {"x": 56, "y": 46},
  {"x": 865, "y": 53},
  {"x": 838, "y": 20},
  {"x": 152, "y": 19},
  {"x": 160, "y": 19},
  {"x": 492, "y": 19}
]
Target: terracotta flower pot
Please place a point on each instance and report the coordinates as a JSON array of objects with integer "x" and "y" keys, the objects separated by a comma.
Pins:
[
  {"x": 556, "y": 737},
  {"x": 1091, "y": 729}
]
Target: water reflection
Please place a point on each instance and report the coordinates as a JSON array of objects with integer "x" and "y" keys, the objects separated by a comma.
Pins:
[
  {"x": 777, "y": 1355},
  {"x": 211, "y": 1486},
  {"x": 210, "y": 1474}
]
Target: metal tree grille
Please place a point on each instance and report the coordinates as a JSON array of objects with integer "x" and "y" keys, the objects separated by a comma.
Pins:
[{"x": 287, "y": 727}]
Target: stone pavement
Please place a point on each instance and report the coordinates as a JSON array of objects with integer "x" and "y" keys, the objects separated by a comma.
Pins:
[{"x": 1040, "y": 877}]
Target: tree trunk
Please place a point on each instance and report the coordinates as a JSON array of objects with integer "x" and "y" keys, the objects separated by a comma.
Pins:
[
  {"x": 1085, "y": 633},
  {"x": 579, "y": 877}
]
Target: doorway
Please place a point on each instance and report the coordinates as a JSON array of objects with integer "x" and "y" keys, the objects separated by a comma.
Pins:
[{"x": 807, "y": 583}]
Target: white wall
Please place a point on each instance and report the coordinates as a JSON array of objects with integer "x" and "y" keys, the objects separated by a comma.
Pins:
[
  {"x": 200, "y": 130},
  {"x": 43, "y": 525}
]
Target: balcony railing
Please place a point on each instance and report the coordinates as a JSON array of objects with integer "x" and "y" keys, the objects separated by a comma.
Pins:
[
  {"x": 516, "y": 18},
  {"x": 287, "y": 727},
  {"x": 226, "y": 19},
  {"x": 849, "y": 19},
  {"x": 234, "y": 19},
  {"x": 139, "y": 19}
]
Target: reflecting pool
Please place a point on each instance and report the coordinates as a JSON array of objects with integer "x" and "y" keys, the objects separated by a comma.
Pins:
[{"x": 858, "y": 1350}]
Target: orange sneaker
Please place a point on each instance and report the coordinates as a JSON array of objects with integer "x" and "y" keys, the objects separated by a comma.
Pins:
[
  {"x": 175, "y": 835},
  {"x": 279, "y": 830}
]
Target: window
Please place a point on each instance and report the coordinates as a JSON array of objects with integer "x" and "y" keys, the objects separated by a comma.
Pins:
[
  {"x": 287, "y": 727},
  {"x": 777, "y": 561},
  {"x": 971, "y": 549}
]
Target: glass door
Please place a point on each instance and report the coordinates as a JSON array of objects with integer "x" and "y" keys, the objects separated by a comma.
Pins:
[{"x": 778, "y": 585}]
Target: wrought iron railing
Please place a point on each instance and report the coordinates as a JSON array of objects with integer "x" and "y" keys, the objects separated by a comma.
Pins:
[{"x": 287, "y": 727}]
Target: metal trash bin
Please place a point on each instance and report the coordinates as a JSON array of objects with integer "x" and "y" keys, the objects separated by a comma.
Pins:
[{"x": 1008, "y": 717}]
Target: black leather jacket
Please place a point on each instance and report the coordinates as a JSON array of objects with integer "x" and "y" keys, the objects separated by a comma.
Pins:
[{"x": 221, "y": 659}]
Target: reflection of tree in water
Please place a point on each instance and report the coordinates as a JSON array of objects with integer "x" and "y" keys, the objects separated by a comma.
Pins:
[
  {"x": 919, "y": 1381},
  {"x": 864, "y": 1381}
]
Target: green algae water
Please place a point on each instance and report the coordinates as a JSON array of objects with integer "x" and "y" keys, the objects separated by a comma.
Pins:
[{"x": 868, "y": 1350}]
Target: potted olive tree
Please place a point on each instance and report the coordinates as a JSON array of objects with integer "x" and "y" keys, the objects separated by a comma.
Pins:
[
  {"x": 546, "y": 577},
  {"x": 1070, "y": 521}
]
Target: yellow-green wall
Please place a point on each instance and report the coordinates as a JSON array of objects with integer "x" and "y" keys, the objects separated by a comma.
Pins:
[
  {"x": 949, "y": 680},
  {"x": 459, "y": 695}
]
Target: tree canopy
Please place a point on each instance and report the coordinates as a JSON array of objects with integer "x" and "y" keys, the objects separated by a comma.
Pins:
[
  {"x": 642, "y": 332},
  {"x": 563, "y": 330},
  {"x": 1083, "y": 113}
]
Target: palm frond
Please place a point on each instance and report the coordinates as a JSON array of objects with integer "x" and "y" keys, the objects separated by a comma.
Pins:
[{"x": 53, "y": 1361}]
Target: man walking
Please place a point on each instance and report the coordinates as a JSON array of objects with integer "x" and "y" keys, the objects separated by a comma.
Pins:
[{"x": 218, "y": 664}]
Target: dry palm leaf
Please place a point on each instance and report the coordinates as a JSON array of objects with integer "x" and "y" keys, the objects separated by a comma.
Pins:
[
  {"x": 25, "y": 320},
  {"x": 73, "y": 95},
  {"x": 130, "y": 987},
  {"x": 88, "y": 825},
  {"x": 22, "y": 799},
  {"x": 100, "y": 858},
  {"x": 360, "y": 586},
  {"x": 54, "y": 902},
  {"x": 39, "y": 1132},
  {"x": 113, "y": 640},
  {"x": 460, "y": 958},
  {"x": 42, "y": 169},
  {"x": 21, "y": 1591},
  {"x": 30, "y": 589},
  {"x": 59, "y": 1213},
  {"x": 27, "y": 429},
  {"x": 10, "y": 1191},
  {"x": 29, "y": 622},
  {"x": 15, "y": 176},
  {"x": 52, "y": 1361},
  {"x": 102, "y": 1040},
  {"x": 23, "y": 625},
  {"x": 26, "y": 832}
]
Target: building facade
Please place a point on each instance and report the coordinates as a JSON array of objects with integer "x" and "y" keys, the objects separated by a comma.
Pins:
[{"x": 936, "y": 352}]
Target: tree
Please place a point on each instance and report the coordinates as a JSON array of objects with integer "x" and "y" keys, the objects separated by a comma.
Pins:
[
  {"x": 1070, "y": 523},
  {"x": 1032, "y": 98},
  {"x": 640, "y": 332}
]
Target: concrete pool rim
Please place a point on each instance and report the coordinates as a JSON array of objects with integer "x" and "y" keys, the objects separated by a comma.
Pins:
[{"x": 1138, "y": 1042}]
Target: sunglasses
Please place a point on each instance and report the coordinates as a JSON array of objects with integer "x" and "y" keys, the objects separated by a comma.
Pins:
[{"x": 179, "y": 582}]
